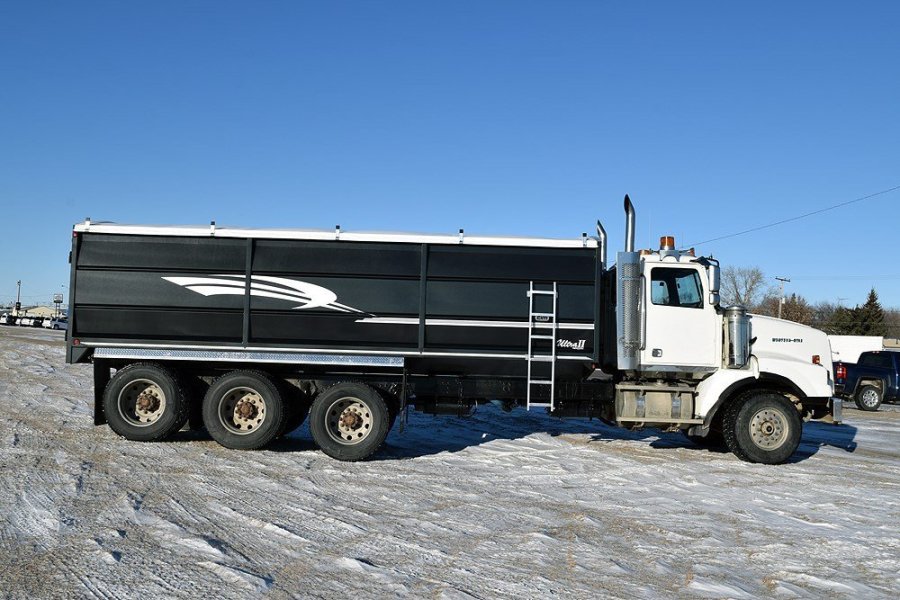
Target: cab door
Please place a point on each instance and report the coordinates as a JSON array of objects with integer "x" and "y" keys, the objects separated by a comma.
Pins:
[{"x": 681, "y": 330}]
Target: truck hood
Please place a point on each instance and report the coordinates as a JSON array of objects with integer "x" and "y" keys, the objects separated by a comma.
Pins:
[{"x": 786, "y": 340}]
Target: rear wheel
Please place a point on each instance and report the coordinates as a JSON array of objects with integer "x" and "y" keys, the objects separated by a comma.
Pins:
[
  {"x": 144, "y": 402},
  {"x": 762, "y": 427},
  {"x": 243, "y": 410},
  {"x": 868, "y": 398},
  {"x": 349, "y": 421}
]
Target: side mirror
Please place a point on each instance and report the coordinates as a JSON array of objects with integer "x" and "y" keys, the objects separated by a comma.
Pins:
[{"x": 714, "y": 283}]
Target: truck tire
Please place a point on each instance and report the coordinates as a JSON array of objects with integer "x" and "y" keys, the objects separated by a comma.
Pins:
[
  {"x": 869, "y": 398},
  {"x": 144, "y": 402},
  {"x": 243, "y": 410},
  {"x": 349, "y": 421},
  {"x": 762, "y": 427}
]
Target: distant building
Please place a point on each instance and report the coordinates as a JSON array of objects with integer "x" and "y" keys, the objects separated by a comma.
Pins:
[{"x": 39, "y": 311}]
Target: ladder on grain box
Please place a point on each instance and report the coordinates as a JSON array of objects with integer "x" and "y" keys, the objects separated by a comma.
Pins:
[{"x": 541, "y": 331}]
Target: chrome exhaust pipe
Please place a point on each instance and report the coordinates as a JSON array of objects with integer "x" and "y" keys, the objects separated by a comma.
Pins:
[
  {"x": 629, "y": 225},
  {"x": 601, "y": 236}
]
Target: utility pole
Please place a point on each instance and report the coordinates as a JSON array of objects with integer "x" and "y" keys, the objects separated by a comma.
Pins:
[{"x": 783, "y": 280}]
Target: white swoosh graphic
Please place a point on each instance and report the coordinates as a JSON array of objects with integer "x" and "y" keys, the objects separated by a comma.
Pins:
[{"x": 266, "y": 286}]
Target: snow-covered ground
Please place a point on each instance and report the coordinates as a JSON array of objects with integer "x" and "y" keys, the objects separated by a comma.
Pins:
[{"x": 495, "y": 506}]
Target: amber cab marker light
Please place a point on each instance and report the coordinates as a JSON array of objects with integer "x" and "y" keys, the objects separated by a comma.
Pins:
[{"x": 667, "y": 242}]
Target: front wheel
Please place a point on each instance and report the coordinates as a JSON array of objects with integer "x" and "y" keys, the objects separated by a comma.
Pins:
[
  {"x": 868, "y": 398},
  {"x": 349, "y": 421},
  {"x": 762, "y": 427}
]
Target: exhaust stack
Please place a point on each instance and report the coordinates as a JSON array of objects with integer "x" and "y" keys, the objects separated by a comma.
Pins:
[
  {"x": 629, "y": 225},
  {"x": 601, "y": 235},
  {"x": 629, "y": 330}
]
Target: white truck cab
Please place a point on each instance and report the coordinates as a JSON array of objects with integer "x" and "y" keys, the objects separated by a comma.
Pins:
[{"x": 719, "y": 374}]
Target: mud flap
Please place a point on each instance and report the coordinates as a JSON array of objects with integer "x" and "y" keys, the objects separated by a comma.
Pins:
[{"x": 101, "y": 378}]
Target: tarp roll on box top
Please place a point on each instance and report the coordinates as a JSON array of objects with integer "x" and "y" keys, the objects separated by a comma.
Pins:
[{"x": 438, "y": 300}]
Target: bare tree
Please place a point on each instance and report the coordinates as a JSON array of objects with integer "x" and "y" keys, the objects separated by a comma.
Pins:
[
  {"x": 794, "y": 308},
  {"x": 743, "y": 285},
  {"x": 892, "y": 322},
  {"x": 824, "y": 314}
]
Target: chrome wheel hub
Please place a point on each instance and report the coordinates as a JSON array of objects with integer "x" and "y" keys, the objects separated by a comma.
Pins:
[
  {"x": 349, "y": 420},
  {"x": 870, "y": 397},
  {"x": 142, "y": 402},
  {"x": 242, "y": 410},
  {"x": 769, "y": 428}
]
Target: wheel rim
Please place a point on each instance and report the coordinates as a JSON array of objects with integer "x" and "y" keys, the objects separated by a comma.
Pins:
[
  {"x": 242, "y": 410},
  {"x": 769, "y": 428},
  {"x": 142, "y": 402},
  {"x": 870, "y": 398},
  {"x": 348, "y": 420}
]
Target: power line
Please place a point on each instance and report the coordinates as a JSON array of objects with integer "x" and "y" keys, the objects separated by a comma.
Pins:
[
  {"x": 797, "y": 218},
  {"x": 846, "y": 277}
]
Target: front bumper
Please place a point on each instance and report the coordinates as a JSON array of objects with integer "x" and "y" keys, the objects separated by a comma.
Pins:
[
  {"x": 827, "y": 410},
  {"x": 837, "y": 411}
]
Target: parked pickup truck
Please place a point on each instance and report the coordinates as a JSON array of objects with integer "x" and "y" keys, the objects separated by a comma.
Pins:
[{"x": 871, "y": 381}]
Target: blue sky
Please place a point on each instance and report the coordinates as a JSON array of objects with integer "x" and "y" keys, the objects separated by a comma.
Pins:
[{"x": 528, "y": 118}]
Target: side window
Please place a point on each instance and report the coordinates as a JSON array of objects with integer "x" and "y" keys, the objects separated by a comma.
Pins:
[
  {"x": 876, "y": 359},
  {"x": 670, "y": 286},
  {"x": 659, "y": 292}
]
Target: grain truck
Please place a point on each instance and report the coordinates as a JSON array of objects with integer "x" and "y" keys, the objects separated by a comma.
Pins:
[{"x": 251, "y": 331}]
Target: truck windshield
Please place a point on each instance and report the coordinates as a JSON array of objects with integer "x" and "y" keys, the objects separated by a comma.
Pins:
[{"x": 675, "y": 287}]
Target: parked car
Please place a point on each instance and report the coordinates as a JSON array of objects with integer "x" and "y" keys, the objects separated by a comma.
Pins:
[
  {"x": 871, "y": 381},
  {"x": 7, "y": 319},
  {"x": 56, "y": 323},
  {"x": 25, "y": 321}
]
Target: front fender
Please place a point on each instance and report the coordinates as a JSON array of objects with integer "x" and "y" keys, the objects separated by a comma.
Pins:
[
  {"x": 803, "y": 380},
  {"x": 711, "y": 389},
  {"x": 811, "y": 380}
]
